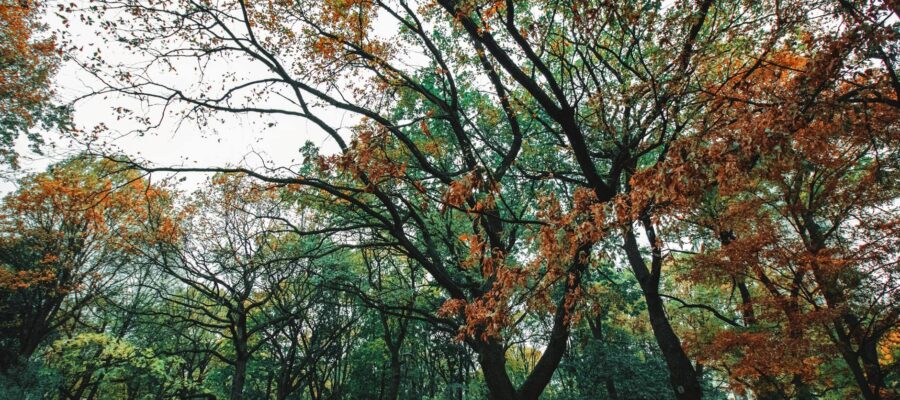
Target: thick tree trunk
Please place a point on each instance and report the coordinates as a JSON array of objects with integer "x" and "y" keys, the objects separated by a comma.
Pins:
[
  {"x": 393, "y": 391},
  {"x": 869, "y": 353},
  {"x": 240, "y": 376},
  {"x": 684, "y": 379},
  {"x": 492, "y": 358},
  {"x": 242, "y": 354},
  {"x": 282, "y": 391}
]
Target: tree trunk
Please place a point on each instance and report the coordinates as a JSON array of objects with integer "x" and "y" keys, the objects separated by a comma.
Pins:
[
  {"x": 682, "y": 375},
  {"x": 869, "y": 353},
  {"x": 492, "y": 355},
  {"x": 597, "y": 331},
  {"x": 240, "y": 376},
  {"x": 393, "y": 391},
  {"x": 848, "y": 326},
  {"x": 492, "y": 358},
  {"x": 852, "y": 360},
  {"x": 868, "y": 377}
]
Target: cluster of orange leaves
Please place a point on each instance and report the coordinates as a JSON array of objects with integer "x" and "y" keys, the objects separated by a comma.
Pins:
[
  {"x": 12, "y": 281},
  {"x": 350, "y": 23},
  {"x": 371, "y": 157},
  {"x": 559, "y": 240},
  {"x": 487, "y": 315},
  {"x": 84, "y": 203},
  {"x": 765, "y": 354},
  {"x": 27, "y": 62},
  {"x": 775, "y": 121},
  {"x": 461, "y": 190}
]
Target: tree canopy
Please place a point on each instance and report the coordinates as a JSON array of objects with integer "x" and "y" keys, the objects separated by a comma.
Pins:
[{"x": 526, "y": 199}]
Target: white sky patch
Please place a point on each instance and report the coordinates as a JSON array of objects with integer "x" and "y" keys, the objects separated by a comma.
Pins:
[{"x": 250, "y": 140}]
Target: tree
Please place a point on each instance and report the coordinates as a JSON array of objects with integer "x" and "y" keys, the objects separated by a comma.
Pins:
[
  {"x": 27, "y": 63},
  {"x": 793, "y": 176},
  {"x": 231, "y": 262},
  {"x": 64, "y": 238},
  {"x": 432, "y": 159},
  {"x": 737, "y": 158}
]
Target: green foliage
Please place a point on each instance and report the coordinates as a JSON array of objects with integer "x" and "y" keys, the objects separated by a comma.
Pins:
[
  {"x": 635, "y": 199},
  {"x": 110, "y": 367}
]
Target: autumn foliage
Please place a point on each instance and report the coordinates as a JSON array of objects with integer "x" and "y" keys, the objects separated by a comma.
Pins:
[
  {"x": 792, "y": 178},
  {"x": 66, "y": 235},
  {"x": 519, "y": 199},
  {"x": 28, "y": 59}
]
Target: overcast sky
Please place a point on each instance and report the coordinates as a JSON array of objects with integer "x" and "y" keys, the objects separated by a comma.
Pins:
[{"x": 237, "y": 139}]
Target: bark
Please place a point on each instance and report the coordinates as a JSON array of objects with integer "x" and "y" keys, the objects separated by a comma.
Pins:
[
  {"x": 852, "y": 360},
  {"x": 393, "y": 391},
  {"x": 684, "y": 379},
  {"x": 802, "y": 390},
  {"x": 869, "y": 353},
  {"x": 543, "y": 371},
  {"x": 242, "y": 355},
  {"x": 746, "y": 303},
  {"x": 492, "y": 354},
  {"x": 848, "y": 327},
  {"x": 611, "y": 389},
  {"x": 761, "y": 387},
  {"x": 240, "y": 376},
  {"x": 492, "y": 357}
]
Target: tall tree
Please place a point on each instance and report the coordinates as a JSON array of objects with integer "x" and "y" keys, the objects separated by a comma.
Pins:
[
  {"x": 229, "y": 259},
  {"x": 506, "y": 148},
  {"x": 794, "y": 177},
  {"x": 64, "y": 238}
]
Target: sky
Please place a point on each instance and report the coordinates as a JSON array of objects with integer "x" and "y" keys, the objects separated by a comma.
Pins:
[{"x": 246, "y": 139}]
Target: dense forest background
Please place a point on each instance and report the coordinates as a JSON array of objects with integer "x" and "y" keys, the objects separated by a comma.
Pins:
[{"x": 556, "y": 199}]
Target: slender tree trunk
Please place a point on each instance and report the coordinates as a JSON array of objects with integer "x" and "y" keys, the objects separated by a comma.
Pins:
[
  {"x": 394, "y": 342},
  {"x": 802, "y": 390},
  {"x": 313, "y": 393},
  {"x": 609, "y": 382},
  {"x": 868, "y": 376},
  {"x": 761, "y": 387},
  {"x": 852, "y": 360},
  {"x": 848, "y": 326},
  {"x": 611, "y": 389},
  {"x": 95, "y": 388}
]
